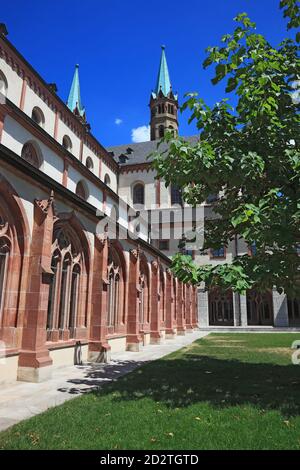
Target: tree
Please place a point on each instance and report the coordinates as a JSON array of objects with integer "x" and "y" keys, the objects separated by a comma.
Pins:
[{"x": 250, "y": 155}]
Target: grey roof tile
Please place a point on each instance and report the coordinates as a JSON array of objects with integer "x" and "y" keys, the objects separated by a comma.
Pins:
[{"x": 137, "y": 153}]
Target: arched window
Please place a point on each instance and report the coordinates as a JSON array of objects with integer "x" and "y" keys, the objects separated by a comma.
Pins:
[
  {"x": 81, "y": 190},
  {"x": 162, "y": 295},
  {"x": 259, "y": 308},
  {"x": 37, "y": 116},
  {"x": 107, "y": 179},
  {"x": 64, "y": 291},
  {"x": 115, "y": 297},
  {"x": 220, "y": 307},
  {"x": 161, "y": 131},
  {"x": 3, "y": 84},
  {"x": 67, "y": 143},
  {"x": 31, "y": 154},
  {"x": 138, "y": 194},
  {"x": 89, "y": 163},
  {"x": 176, "y": 195}
]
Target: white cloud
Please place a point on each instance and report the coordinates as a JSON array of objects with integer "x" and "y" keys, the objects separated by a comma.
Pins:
[
  {"x": 118, "y": 121},
  {"x": 140, "y": 134}
]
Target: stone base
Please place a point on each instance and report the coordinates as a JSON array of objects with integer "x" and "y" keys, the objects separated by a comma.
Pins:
[
  {"x": 189, "y": 329},
  {"x": 171, "y": 333},
  {"x": 134, "y": 347},
  {"x": 181, "y": 331},
  {"x": 99, "y": 356},
  {"x": 99, "y": 352},
  {"x": 36, "y": 375},
  {"x": 156, "y": 337}
]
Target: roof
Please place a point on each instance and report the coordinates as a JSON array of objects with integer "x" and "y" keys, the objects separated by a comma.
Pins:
[
  {"x": 134, "y": 154},
  {"x": 163, "y": 82},
  {"x": 74, "y": 100}
]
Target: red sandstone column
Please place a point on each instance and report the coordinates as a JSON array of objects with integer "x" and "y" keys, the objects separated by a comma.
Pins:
[
  {"x": 99, "y": 349},
  {"x": 194, "y": 308},
  {"x": 65, "y": 173},
  {"x": 170, "y": 330},
  {"x": 180, "y": 307},
  {"x": 188, "y": 308},
  {"x": 34, "y": 355},
  {"x": 155, "y": 335},
  {"x": 23, "y": 94},
  {"x": 134, "y": 339}
]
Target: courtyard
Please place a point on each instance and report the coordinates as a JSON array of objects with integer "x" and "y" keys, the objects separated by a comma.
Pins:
[{"x": 223, "y": 391}]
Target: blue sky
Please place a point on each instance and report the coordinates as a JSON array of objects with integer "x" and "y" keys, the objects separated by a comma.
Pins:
[{"x": 117, "y": 45}]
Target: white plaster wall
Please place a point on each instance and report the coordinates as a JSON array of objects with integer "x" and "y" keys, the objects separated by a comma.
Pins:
[
  {"x": 32, "y": 100},
  {"x": 15, "y": 82},
  {"x": 26, "y": 192},
  {"x": 88, "y": 153},
  {"x": 15, "y": 136},
  {"x": 128, "y": 180},
  {"x": 95, "y": 194},
  {"x": 113, "y": 177},
  {"x": 64, "y": 130}
]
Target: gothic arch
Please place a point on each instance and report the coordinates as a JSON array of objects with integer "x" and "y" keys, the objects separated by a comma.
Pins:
[
  {"x": 162, "y": 295},
  {"x": 116, "y": 277},
  {"x": 144, "y": 288},
  {"x": 69, "y": 287},
  {"x": 14, "y": 245}
]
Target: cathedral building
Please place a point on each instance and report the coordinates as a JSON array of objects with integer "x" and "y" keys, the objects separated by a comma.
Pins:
[
  {"x": 78, "y": 275},
  {"x": 137, "y": 184}
]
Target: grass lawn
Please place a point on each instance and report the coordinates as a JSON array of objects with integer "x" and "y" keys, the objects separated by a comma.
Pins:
[{"x": 225, "y": 391}]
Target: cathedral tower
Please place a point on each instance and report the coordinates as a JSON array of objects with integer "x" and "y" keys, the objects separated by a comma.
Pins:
[{"x": 163, "y": 103}]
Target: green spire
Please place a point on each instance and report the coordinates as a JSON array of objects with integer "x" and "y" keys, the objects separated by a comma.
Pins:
[
  {"x": 74, "y": 100},
  {"x": 163, "y": 80}
]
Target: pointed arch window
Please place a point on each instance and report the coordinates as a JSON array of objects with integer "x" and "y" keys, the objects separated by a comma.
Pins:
[
  {"x": 113, "y": 296},
  {"x": 64, "y": 289},
  {"x": 161, "y": 131},
  {"x": 115, "y": 291},
  {"x": 138, "y": 194}
]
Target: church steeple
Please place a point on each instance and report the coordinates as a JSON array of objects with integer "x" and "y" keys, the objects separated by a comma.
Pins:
[
  {"x": 163, "y": 103},
  {"x": 74, "y": 100}
]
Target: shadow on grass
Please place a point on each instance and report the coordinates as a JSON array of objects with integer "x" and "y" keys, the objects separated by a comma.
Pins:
[{"x": 180, "y": 383}]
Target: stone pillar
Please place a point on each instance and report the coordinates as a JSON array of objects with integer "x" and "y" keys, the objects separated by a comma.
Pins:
[
  {"x": 34, "y": 359},
  {"x": 155, "y": 335},
  {"x": 180, "y": 307},
  {"x": 243, "y": 310},
  {"x": 170, "y": 330},
  {"x": 236, "y": 309},
  {"x": 188, "y": 308},
  {"x": 203, "y": 308},
  {"x": 280, "y": 309},
  {"x": 194, "y": 307},
  {"x": 134, "y": 339},
  {"x": 99, "y": 349}
]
